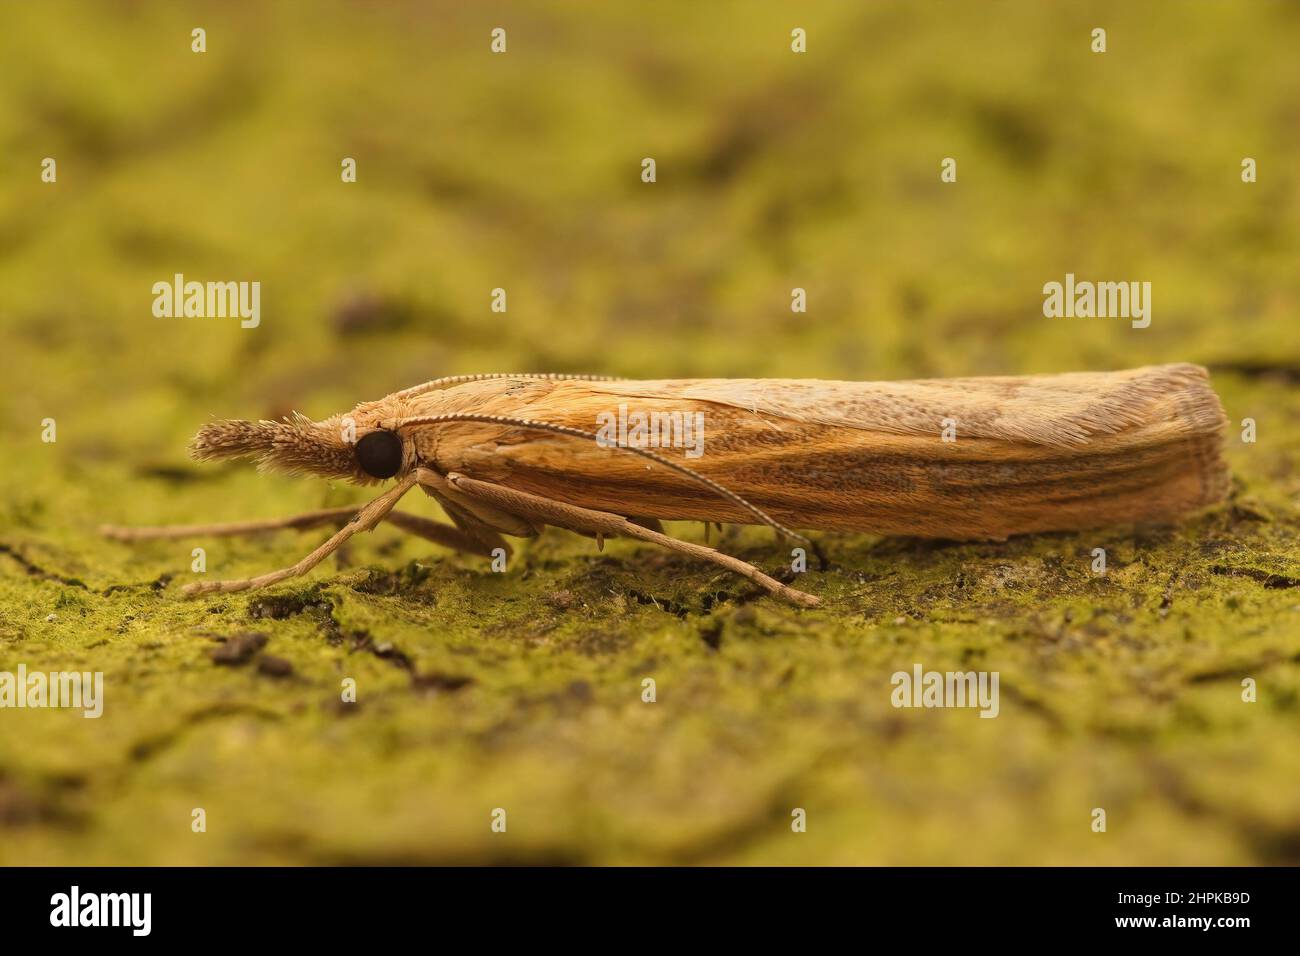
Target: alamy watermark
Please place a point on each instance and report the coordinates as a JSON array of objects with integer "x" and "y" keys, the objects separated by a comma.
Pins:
[
  {"x": 78, "y": 690},
  {"x": 75, "y": 908},
  {"x": 1101, "y": 300},
  {"x": 208, "y": 300},
  {"x": 922, "y": 688},
  {"x": 624, "y": 429}
]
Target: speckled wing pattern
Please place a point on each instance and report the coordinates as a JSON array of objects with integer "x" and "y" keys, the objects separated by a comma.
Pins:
[{"x": 1062, "y": 410}]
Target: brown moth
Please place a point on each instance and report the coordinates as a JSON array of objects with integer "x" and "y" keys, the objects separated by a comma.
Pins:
[{"x": 975, "y": 458}]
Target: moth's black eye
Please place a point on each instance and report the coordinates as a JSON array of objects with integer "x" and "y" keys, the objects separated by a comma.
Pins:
[{"x": 380, "y": 454}]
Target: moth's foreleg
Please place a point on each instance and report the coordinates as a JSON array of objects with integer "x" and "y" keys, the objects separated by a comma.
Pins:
[
  {"x": 588, "y": 521},
  {"x": 426, "y": 528},
  {"x": 364, "y": 520}
]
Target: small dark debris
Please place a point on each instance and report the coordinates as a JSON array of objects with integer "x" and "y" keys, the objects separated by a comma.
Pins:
[
  {"x": 238, "y": 648},
  {"x": 1241, "y": 512},
  {"x": 579, "y": 690},
  {"x": 440, "y": 682},
  {"x": 563, "y": 600},
  {"x": 17, "y": 807},
  {"x": 343, "y": 708},
  {"x": 1272, "y": 581},
  {"x": 279, "y": 606},
  {"x": 384, "y": 650},
  {"x": 666, "y": 605},
  {"x": 176, "y": 474},
  {"x": 319, "y": 609},
  {"x": 365, "y": 312},
  {"x": 274, "y": 666},
  {"x": 392, "y": 582},
  {"x": 1286, "y": 373},
  {"x": 713, "y": 599},
  {"x": 37, "y": 571}
]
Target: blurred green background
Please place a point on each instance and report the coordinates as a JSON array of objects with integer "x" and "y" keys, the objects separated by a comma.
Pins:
[{"x": 522, "y": 171}]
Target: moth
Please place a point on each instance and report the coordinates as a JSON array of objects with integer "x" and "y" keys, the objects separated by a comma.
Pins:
[{"x": 964, "y": 459}]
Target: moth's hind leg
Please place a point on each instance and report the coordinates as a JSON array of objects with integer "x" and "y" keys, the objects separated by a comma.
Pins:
[
  {"x": 364, "y": 520},
  {"x": 823, "y": 562},
  {"x": 604, "y": 523}
]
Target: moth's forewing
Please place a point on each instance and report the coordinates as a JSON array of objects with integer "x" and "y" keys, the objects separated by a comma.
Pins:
[{"x": 1027, "y": 454}]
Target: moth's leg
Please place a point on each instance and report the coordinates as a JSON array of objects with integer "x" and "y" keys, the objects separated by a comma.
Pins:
[
  {"x": 310, "y": 519},
  {"x": 602, "y": 523},
  {"x": 365, "y": 520},
  {"x": 471, "y": 514},
  {"x": 451, "y": 537},
  {"x": 651, "y": 523},
  {"x": 823, "y": 562},
  {"x": 434, "y": 531}
]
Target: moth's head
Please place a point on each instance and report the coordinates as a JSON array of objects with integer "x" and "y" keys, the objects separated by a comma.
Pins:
[{"x": 352, "y": 447}]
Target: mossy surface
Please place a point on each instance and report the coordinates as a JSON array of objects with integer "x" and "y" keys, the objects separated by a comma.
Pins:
[{"x": 523, "y": 690}]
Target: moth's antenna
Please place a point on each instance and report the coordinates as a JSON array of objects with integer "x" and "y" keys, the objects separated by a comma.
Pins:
[
  {"x": 450, "y": 380},
  {"x": 709, "y": 483}
]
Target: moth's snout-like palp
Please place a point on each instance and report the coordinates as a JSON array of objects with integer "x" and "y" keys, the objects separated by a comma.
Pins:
[{"x": 296, "y": 445}]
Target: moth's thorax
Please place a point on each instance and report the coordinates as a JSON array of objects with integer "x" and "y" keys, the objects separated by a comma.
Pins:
[{"x": 453, "y": 446}]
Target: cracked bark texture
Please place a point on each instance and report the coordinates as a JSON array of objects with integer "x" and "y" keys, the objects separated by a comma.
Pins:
[{"x": 523, "y": 690}]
